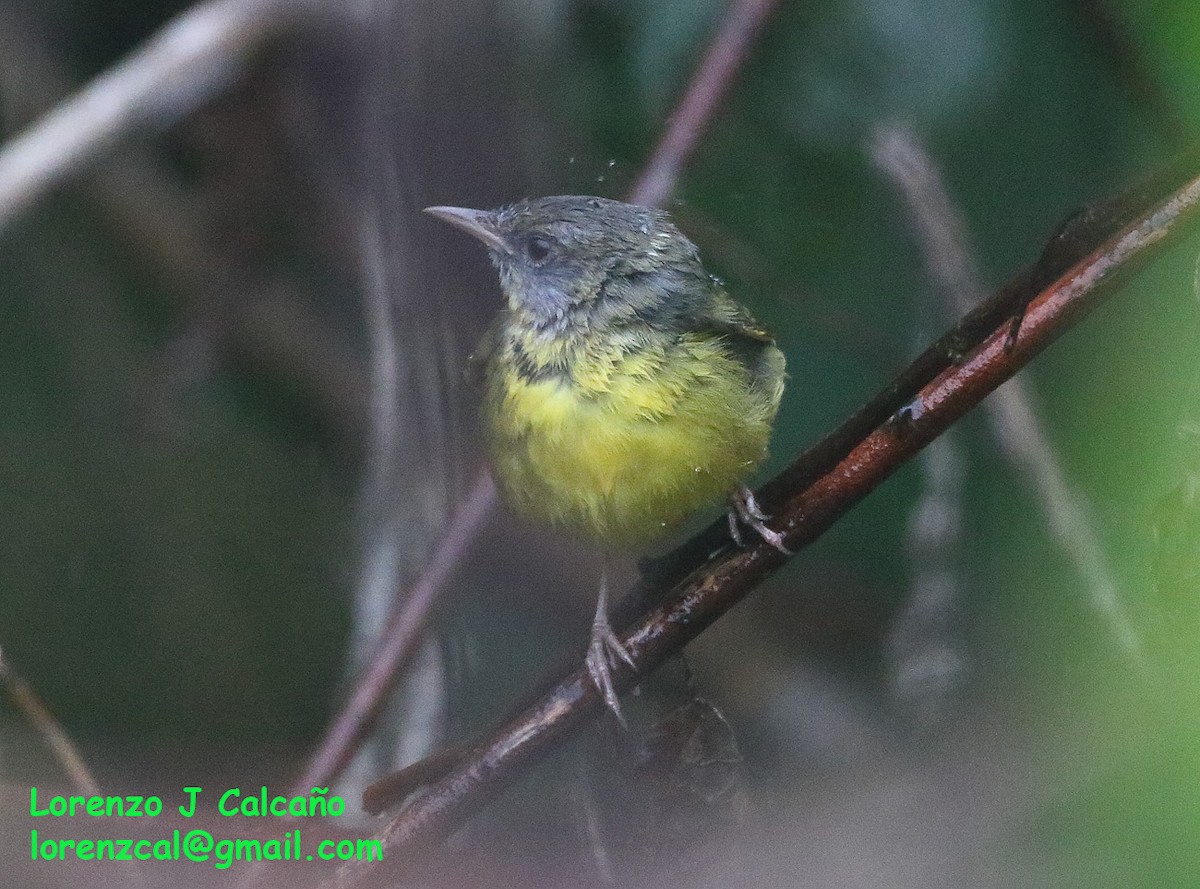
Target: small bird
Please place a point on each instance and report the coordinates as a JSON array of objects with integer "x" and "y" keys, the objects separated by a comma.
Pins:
[{"x": 623, "y": 388}]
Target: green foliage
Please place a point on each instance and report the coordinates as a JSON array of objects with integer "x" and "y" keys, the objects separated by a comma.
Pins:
[{"x": 161, "y": 538}]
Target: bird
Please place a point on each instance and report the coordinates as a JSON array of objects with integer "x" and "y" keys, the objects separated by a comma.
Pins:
[{"x": 623, "y": 389}]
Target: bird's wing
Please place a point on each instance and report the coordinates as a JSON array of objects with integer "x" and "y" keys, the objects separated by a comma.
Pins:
[{"x": 750, "y": 342}]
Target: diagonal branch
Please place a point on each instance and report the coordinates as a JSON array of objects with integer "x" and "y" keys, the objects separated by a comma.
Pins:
[
  {"x": 1086, "y": 232},
  {"x": 401, "y": 635},
  {"x": 804, "y": 511},
  {"x": 30, "y": 705},
  {"x": 711, "y": 82},
  {"x": 190, "y": 59},
  {"x": 35, "y": 711},
  {"x": 945, "y": 243}
]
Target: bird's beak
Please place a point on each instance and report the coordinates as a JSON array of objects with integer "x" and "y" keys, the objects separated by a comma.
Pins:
[{"x": 480, "y": 223}]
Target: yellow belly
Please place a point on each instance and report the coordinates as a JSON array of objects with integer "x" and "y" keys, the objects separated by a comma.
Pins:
[{"x": 627, "y": 452}]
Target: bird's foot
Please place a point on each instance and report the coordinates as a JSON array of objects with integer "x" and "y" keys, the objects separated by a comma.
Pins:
[
  {"x": 744, "y": 510},
  {"x": 604, "y": 652}
]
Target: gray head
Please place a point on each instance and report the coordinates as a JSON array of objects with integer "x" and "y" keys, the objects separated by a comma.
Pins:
[{"x": 558, "y": 254}]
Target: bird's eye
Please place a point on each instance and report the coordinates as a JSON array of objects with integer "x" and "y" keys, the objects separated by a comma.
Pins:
[{"x": 538, "y": 248}]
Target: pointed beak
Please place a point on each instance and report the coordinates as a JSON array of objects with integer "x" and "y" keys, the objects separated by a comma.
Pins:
[{"x": 480, "y": 223}]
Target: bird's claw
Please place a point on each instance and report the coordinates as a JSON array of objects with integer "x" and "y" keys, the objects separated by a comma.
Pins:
[
  {"x": 744, "y": 510},
  {"x": 604, "y": 652}
]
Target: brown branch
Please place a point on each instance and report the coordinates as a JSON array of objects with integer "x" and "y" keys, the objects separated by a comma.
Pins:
[
  {"x": 1084, "y": 233},
  {"x": 346, "y": 733},
  {"x": 803, "y": 513},
  {"x": 408, "y": 780},
  {"x": 944, "y": 240},
  {"x": 709, "y": 84},
  {"x": 725, "y": 58}
]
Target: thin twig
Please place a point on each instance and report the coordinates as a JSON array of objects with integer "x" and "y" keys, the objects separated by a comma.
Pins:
[
  {"x": 38, "y": 715},
  {"x": 802, "y": 515},
  {"x": 725, "y": 58},
  {"x": 190, "y": 59},
  {"x": 398, "y": 641},
  {"x": 141, "y": 199},
  {"x": 408, "y": 780},
  {"x": 922, "y": 649},
  {"x": 941, "y": 230},
  {"x": 945, "y": 244},
  {"x": 686, "y": 126}
]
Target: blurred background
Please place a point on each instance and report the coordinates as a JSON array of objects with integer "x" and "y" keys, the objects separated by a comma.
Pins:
[{"x": 233, "y": 426}]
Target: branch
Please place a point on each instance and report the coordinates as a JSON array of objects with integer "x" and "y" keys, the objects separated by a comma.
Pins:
[
  {"x": 403, "y": 631},
  {"x": 190, "y": 59},
  {"x": 145, "y": 204},
  {"x": 803, "y": 512},
  {"x": 686, "y": 126},
  {"x": 710, "y": 83},
  {"x": 1014, "y": 421},
  {"x": 38, "y": 715},
  {"x": 1084, "y": 233}
]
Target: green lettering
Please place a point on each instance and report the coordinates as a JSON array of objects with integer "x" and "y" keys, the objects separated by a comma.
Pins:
[{"x": 233, "y": 792}]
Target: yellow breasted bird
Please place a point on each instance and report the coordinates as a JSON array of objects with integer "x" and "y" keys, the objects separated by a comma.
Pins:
[{"x": 624, "y": 388}]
